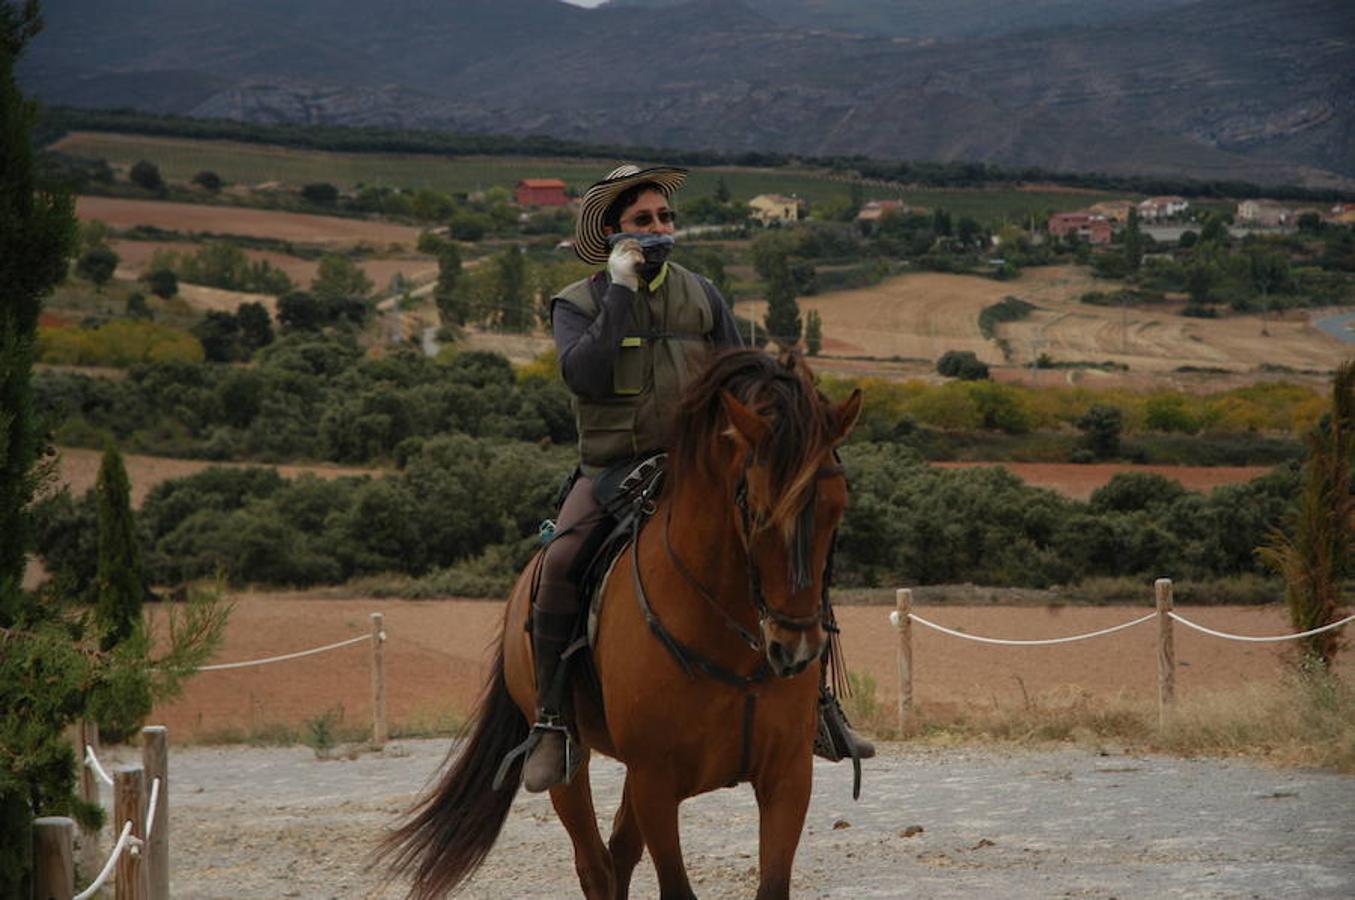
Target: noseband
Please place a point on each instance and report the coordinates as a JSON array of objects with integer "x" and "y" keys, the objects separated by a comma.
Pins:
[{"x": 799, "y": 556}]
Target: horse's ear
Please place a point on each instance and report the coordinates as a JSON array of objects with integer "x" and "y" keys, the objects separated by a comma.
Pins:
[
  {"x": 751, "y": 427},
  {"x": 846, "y": 414}
]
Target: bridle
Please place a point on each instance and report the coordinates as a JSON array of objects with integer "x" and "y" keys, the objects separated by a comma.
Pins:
[
  {"x": 799, "y": 556},
  {"x": 799, "y": 563}
]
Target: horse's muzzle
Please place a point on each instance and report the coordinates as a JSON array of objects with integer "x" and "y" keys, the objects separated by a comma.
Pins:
[{"x": 791, "y": 654}]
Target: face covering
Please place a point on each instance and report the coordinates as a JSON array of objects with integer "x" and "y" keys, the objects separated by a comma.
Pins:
[{"x": 656, "y": 248}]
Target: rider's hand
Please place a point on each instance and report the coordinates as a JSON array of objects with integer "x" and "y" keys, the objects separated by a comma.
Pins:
[{"x": 622, "y": 264}]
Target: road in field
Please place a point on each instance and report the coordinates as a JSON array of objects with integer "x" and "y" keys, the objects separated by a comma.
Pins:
[{"x": 1341, "y": 327}]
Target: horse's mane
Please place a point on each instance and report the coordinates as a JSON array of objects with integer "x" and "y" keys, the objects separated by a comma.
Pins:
[{"x": 781, "y": 391}]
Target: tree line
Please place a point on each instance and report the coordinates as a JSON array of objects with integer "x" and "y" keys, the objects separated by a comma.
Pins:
[
  {"x": 60, "y": 120},
  {"x": 456, "y": 501}
]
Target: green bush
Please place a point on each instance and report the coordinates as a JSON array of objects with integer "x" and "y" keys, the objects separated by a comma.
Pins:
[{"x": 962, "y": 364}]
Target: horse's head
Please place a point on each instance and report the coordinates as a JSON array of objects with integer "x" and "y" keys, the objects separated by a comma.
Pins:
[{"x": 769, "y": 439}]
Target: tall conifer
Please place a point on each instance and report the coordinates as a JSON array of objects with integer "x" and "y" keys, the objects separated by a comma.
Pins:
[{"x": 121, "y": 585}]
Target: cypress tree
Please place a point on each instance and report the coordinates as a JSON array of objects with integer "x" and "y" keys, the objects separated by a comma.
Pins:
[
  {"x": 121, "y": 586},
  {"x": 813, "y": 332},
  {"x": 783, "y": 313},
  {"x": 1316, "y": 552},
  {"x": 37, "y": 234}
]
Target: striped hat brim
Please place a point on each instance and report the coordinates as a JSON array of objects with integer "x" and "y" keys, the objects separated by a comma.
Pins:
[{"x": 590, "y": 243}]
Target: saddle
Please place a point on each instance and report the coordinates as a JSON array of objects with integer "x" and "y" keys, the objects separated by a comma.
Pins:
[{"x": 627, "y": 493}]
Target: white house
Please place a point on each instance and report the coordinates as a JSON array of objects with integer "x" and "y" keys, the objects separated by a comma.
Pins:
[{"x": 770, "y": 209}]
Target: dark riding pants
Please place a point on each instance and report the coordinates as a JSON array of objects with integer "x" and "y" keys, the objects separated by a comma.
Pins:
[{"x": 579, "y": 516}]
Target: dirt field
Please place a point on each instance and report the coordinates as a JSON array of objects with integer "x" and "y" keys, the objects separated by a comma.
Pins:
[
  {"x": 191, "y": 218},
  {"x": 135, "y": 256},
  {"x": 921, "y": 316},
  {"x": 952, "y": 822},
  {"x": 1079, "y": 481},
  {"x": 436, "y": 654},
  {"x": 79, "y": 468}
]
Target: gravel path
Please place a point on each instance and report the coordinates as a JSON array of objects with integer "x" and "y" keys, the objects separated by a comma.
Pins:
[{"x": 958, "y": 822}]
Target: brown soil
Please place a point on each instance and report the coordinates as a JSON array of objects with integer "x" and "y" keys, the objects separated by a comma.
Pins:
[
  {"x": 195, "y": 218},
  {"x": 437, "y": 653},
  {"x": 1078, "y": 481},
  {"x": 918, "y": 317},
  {"x": 79, "y": 468},
  {"x": 135, "y": 256}
]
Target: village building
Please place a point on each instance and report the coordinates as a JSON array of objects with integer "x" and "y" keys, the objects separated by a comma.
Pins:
[
  {"x": 872, "y": 211},
  {"x": 541, "y": 192},
  {"x": 1155, "y": 209},
  {"x": 1085, "y": 224},
  {"x": 775, "y": 209},
  {"x": 1264, "y": 213},
  {"x": 1341, "y": 214},
  {"x": 1116, "y": 211}
]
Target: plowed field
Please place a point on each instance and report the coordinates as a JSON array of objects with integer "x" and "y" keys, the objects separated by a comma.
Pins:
[{"x": 285, "y": 226}]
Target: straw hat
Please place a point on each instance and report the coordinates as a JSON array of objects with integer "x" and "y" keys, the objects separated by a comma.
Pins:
[{"x": 589, "y": 241}]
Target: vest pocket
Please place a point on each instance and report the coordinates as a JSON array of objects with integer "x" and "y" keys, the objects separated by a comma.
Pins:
[
  {"x": 606, "y": 431},
  {"x": 631, "y": 372}
]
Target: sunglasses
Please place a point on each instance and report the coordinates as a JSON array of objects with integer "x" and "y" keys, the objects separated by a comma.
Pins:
[{"x": 646, "y": 218}]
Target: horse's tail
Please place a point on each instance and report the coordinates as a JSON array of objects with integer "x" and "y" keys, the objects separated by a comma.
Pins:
[{"x": 452, "y": 828}]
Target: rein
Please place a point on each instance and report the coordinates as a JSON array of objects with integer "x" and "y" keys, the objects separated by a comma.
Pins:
[{"x": 691, "y": 659}]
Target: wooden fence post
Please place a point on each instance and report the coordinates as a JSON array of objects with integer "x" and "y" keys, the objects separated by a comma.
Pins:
[
  {"x": 155, "y": 760},
  {"x": 129, "y": 802},
  {"x": 91, "y": 860},
  {"x": 903, "y": 601},
  {"x": 53, "y": 858},
  {"x": 1166, "y": 651},
  {"x": 378, "y": 681}
]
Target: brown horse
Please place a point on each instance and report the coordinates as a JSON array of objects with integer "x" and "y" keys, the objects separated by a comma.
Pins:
[{"x": 707, "y": 653}]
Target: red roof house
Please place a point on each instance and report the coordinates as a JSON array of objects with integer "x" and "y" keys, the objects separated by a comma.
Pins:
[
  {"x": 541, "y": 192},
  {"x": 1092, "y": 228}
]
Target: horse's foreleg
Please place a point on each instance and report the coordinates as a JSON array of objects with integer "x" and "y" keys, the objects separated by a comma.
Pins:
[
  {"x": 782, "y": 801},
  {"x": 626, "y": 843},
  {"x": 654, "y": 801},
  {"x": 573, "y": 803}
]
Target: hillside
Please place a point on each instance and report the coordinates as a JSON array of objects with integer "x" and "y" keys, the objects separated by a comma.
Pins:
[{"x": 1255, "y": 90}]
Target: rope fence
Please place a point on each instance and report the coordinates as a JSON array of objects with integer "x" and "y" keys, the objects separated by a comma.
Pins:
[
  {"x": 139, "y": 861},
  {"x": 1260, "y": 640},
  {"x": 902, "y": 619},
  {"x": 275, "y": 659},
  {"x": 124, "y": 840}
]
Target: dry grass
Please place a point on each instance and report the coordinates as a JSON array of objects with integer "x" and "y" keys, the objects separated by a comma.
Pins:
[{"x": 1307, "y": 719}]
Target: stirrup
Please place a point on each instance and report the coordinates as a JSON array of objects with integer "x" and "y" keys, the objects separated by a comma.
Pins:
[
  {"x": 833, "y": 740},
  {"x": 545, "y": 722}
]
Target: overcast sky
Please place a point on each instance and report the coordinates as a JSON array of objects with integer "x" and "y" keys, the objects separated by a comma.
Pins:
[{"x": 584, "y": 2}]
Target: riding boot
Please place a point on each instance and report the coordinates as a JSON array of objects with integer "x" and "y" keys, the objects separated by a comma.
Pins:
[
  {"x": 554, "y": 757},
  {"x": 836, "y": 740}
]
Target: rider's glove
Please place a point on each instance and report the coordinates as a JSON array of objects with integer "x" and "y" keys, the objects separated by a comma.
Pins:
[{"x": 622, "y": 264}]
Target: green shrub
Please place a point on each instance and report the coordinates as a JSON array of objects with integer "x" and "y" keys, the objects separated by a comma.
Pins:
[{"x": 962, "y": 364}]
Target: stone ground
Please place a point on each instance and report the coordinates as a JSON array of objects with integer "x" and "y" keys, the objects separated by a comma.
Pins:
[{"x": 955, "y": 822}]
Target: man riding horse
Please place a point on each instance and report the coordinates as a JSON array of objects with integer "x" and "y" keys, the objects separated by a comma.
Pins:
[{"x": 629, "y": 339}]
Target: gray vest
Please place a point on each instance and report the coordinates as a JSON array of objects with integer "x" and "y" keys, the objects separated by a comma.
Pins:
[{"x": 666, "y": 344}]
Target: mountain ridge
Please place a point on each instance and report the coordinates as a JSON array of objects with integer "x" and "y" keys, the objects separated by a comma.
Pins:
[{"x": 1255, "y": 90}]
